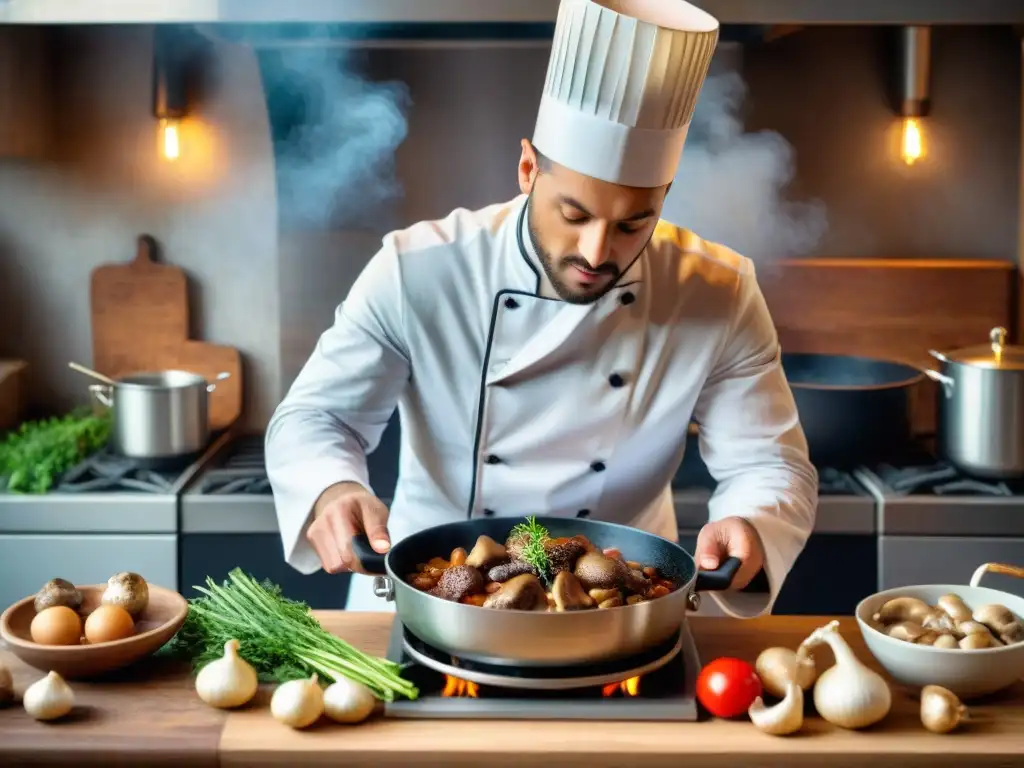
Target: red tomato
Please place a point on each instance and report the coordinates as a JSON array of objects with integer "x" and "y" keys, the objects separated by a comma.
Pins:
[{"x": 726, "y": 687}]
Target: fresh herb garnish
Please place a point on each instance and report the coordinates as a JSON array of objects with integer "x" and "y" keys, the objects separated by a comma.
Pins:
[
  {"x": 279, "y": 637},
  {"x": 33, "y": 456},
  {"x": 535, "y": 537}
]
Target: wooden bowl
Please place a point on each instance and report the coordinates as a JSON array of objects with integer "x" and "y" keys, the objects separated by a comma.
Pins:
[{"x": 162, "y": 618}]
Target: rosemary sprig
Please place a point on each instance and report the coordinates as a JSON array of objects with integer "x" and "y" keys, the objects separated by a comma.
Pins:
[{"x": 535, "y": 537}]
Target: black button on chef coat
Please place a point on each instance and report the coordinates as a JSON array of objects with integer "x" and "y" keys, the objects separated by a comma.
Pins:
[
  {"x": 616, "y": 380},
  {"x": 597, "y": 466},
  {"x": 627, "y": 298},
  {"x": 492, "y": 459},
  {"x": 583, "y": 513},
  {"x": 511, "y": 303},
  {"x": 488, "y": 513}
]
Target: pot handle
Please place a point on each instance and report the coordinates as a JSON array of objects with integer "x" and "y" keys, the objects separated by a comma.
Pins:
[
  {"x": 373, "y": 561},
  {"x": 941, "y": 378},
  {"x": 220, "y": 377},
  {"x": 104, "y": 393},
  {"x": 719, "y": 579},
  {"x": 1003, "y": 568}
]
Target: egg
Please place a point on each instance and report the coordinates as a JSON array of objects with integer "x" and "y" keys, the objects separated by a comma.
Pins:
[
  {"x": 108, "y": 623},
  {"x": 58, "y": 625}
]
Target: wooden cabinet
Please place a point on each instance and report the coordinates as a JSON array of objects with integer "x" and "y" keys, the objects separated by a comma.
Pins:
[{"x": 25, "y": 92}]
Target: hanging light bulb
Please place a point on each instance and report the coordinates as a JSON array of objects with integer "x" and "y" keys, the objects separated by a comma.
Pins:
[
  {"x": 915, "y": 103},
  {"x": 911, "y": 143},
  {"x": 170, "y": 92}
]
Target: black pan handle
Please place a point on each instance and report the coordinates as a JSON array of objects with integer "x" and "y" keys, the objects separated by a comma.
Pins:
[
  {"x": 719, "y": 579},
  {"x": 373, "y": 561}
]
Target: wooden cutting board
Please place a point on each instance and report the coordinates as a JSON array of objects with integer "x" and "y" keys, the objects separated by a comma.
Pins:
[
  {"x": 140, "y": 322},
  {"x": 141, "y": 299}
]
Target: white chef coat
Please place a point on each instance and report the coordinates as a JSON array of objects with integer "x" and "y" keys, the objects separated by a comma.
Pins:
[{"x": 514, "y": 404}]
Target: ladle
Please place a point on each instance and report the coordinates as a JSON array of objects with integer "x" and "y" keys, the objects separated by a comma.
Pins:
[{"x": 90, "y": 372}]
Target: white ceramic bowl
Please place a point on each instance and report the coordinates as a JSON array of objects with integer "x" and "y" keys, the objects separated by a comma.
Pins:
[{"x": 967, "y": 673}]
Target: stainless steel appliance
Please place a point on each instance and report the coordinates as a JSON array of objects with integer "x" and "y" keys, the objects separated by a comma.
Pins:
[
  {"x": 657, "y": 685},
  {"x": 937, "y": 524},
  {"x": 107, "y": 514}
]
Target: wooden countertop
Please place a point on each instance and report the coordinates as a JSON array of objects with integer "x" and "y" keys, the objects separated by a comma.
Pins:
[{"x": 153, "y": 717}]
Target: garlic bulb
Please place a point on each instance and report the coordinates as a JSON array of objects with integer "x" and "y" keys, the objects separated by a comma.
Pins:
[
  {"x": 6, "y": 686},
  {"x": 784, "y": 718},
  {"x": 228, "y": 682},
  {"x": 941, "y": 710},
  {"x": 48, "y": 698},
  {"x": 298, "y": 703},
  {"x": 777, "y": 667},
  {"x": 346, "y": 701},
  {"x": 848, "y": 694}
]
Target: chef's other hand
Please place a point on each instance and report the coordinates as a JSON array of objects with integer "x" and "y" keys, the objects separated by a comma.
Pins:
[
  {"x": 730, "y": 537},
  {"x": 343, "y": 511}
]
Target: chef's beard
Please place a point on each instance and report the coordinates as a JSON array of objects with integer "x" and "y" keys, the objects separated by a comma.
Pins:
[{"x": 565, "y": 293}]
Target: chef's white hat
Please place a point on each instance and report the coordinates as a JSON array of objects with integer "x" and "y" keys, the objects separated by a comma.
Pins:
[{"x": 622, "y": 82}]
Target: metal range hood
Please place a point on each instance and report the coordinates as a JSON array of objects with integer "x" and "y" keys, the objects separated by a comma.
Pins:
[{"x": 489, "y": 17}]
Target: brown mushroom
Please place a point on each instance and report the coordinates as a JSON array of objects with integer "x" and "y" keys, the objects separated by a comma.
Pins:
[
  {"x": 568, "y": 593},
  {"x": 939, "y": 621},
  {"x": 945, "y": 640},
  {"x": 977, "y": 640},
  {"x": 509, "y": 570},
  {"x": 909, "y": 631},
  {"x": 522, "y": 593},
  {"x": 955, "y": 607},
  {"x": 596, "y": 570},
  {"x": 600, "y": 595},
  {"x": 57, "y": 592},
  {"x": 457, "y": 582},
  {"x": 486, "y": 553},
  {"x": 1001, "y": 621},
  {"x": 903, "y": 609}
]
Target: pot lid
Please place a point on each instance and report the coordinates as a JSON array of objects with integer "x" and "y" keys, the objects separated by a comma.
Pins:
[{"x": 996, "y": 354}]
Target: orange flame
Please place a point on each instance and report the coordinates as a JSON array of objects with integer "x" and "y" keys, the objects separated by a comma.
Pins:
[
  {"x": 455, "y": 687},
  {"x": 629, "y": 687}
]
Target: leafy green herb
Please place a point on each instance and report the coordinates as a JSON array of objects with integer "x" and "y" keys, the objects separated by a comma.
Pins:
[
  {"x": 534, "y": 536},
  {"x": 34, "y": 455},
  {"x": 279, "y": 637}
]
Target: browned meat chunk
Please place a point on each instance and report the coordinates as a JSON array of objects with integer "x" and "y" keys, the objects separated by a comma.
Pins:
[
  {"x": 563, "y": 553},
  {"x": 506, "y": 571},
  {"x": 457, "y": 582}
]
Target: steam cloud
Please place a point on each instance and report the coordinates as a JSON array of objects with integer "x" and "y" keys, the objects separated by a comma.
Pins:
[
  {"x": 335, "y": 136},
  {"x": 730, "y": 185}
]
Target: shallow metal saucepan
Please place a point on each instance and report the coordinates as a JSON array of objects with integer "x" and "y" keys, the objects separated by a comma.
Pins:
[{"x": 535, "y": 638}]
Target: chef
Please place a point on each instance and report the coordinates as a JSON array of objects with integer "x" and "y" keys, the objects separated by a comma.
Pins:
[{"x": 547, "y": 354}]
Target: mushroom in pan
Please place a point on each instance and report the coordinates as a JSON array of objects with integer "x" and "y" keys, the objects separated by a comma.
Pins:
[
  {"x": 486, "y": 554},
  {"x": 596, "y": 570},
  {"x": 563, "y": 553},
  {"x": 568, "y": 593},
  {"x": 521, "y": 593}
]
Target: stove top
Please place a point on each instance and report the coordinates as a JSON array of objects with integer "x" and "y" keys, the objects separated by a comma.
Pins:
[
  {"x": 241, "y": 472},
  {"x": 657, "y": 685}
]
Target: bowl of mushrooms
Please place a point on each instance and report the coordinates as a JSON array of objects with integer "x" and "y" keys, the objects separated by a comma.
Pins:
[
  {"x": 81, "y": 631},
  {"x": 968, "y": 639}
]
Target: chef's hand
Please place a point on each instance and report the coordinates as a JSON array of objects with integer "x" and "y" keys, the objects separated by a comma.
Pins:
[
  {"x": 345, "y": 510},
  {"x": 730, "y": 537}
]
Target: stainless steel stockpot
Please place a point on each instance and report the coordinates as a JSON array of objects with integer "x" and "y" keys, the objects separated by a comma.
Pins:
[
  {"x": 158, "y": 416},
  {"x": 981, "y": 412}
]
